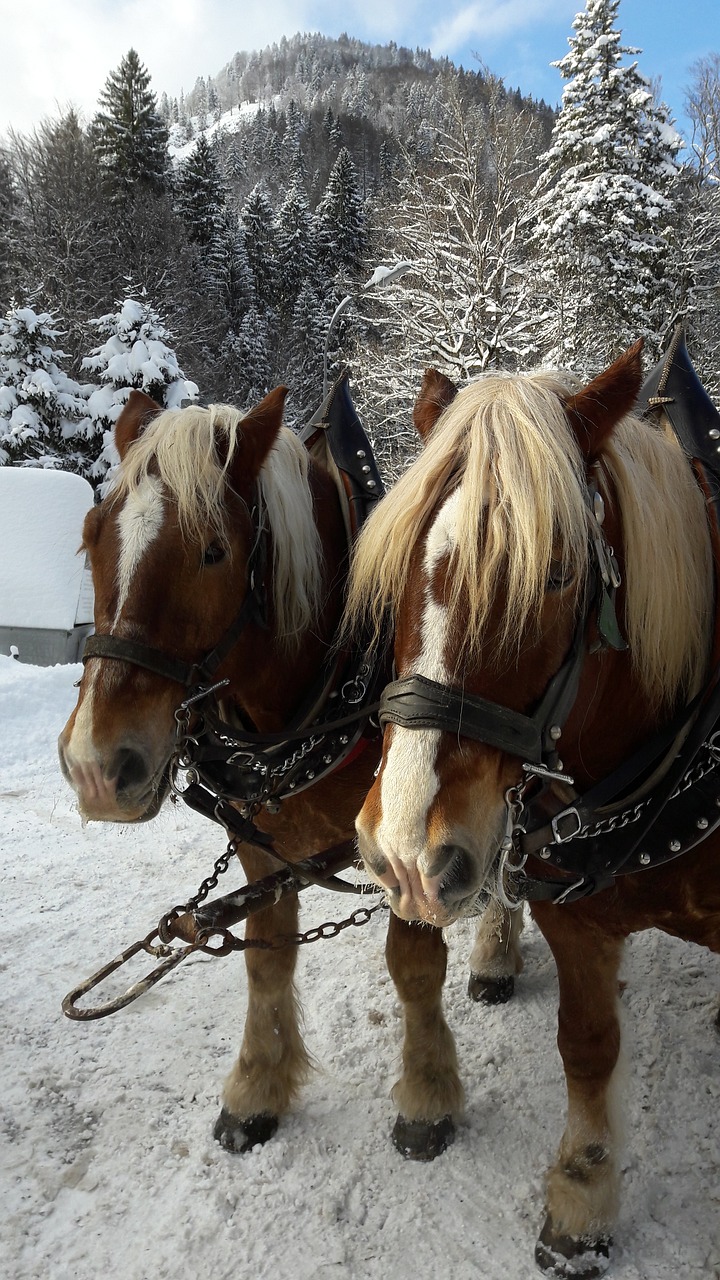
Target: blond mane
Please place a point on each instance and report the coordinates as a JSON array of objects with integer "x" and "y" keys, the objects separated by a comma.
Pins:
[
  {"x": 505, "y": 446},
  {"x": 179, "y": 447}
]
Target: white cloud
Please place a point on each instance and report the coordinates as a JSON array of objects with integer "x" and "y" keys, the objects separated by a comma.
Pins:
[
  {"x": 486, "y": 20},
  {"x": 60, "y": 52}
]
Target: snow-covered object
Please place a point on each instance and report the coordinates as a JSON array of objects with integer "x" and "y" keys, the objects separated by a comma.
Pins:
[
  {"x": 43, "y": 420},
  {"x": 136, "y": 354},
  {"x": 605, "y": 212},
  {"x": 109, "y": 1168},
  {"x": 43, "y": 583}
]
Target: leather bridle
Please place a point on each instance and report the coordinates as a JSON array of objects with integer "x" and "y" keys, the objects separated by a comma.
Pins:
[{"x": 204, "y": 670}]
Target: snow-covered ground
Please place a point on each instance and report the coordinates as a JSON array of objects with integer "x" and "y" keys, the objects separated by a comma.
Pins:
[{"x": 108, "y": 1166}]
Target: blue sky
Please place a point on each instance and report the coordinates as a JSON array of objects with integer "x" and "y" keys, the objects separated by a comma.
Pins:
[{"x": 57, "y": 52}]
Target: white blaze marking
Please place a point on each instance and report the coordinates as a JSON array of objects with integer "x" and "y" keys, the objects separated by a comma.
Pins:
[
  {"x": 409, "y": 781},
  {"x": 139, "y": 523}
]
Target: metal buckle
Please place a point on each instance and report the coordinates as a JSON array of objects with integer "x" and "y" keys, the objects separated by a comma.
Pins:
[{"x": 560, "y": 838}]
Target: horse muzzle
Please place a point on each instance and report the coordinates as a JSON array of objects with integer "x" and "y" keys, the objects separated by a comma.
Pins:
[
  {"x": 122, "y": 787},
  {"x": 437, "y": 888}
]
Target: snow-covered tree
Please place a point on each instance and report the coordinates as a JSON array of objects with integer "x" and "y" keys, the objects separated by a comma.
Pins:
[
  {"x": 261, "y": 245},
  {"x": 465, "y": 307},
  {"x": 128, "y": 132},
  {"x": 135, "y": 353},
  {"x": 341, "y": 217},
  {"x": 201, "y": 204},
  {"x": 43, "y": 418},
  {"x": 605, "y": 203},
  {"x": 297, "y": 246},
  {"x": 700, "y": 303}
]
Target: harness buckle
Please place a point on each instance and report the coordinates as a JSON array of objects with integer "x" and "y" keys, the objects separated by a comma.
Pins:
[{"x": 561, "y": 836}]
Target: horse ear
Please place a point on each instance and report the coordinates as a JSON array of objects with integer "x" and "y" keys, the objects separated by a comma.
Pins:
[
  {"x": 259, "y": 430},
  {"x": 135, "y": 415},
  {"x": 436, "y": 393},
  {"x": 598, "y": 408}
]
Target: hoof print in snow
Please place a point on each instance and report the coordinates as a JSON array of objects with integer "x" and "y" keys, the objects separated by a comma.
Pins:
[
  {"x": 572, "y": 1257},
  {"x": 490, "y": 990},
  {"x": 239, "y": 1135},
  {"x": 423, "y": 1139}
]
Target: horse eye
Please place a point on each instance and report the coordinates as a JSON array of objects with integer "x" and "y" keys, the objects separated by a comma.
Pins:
[
  {"x": 213, "y": 554},
  {"x": 559, "y": 576}
]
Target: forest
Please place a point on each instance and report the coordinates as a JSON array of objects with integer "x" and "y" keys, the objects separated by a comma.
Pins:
[{"x": 201, "y": 246}]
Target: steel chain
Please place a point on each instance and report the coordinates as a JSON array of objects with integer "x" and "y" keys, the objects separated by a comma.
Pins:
[
  {"x": 605, "y": 826},
  {"x": 320, "y": 933}
]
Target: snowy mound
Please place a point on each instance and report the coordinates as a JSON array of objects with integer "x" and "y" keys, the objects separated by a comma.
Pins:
[{"x": 41, "y": 573}]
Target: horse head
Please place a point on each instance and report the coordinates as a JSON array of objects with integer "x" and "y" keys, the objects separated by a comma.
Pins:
[{"x": 209, "y": 510}]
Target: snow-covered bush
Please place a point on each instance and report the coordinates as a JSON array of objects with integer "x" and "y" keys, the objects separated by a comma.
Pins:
[
  {"x": 43, "y": 413},
  {"x": 135, "y": 354}
]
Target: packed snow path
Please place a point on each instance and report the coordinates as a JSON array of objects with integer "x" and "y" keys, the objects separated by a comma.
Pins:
[{"x": 108, "y": 1166}]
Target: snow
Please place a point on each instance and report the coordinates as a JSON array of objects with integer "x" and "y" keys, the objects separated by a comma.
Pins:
[
  {"x": 108, "y": 1164},
  {"x": 41, "y": 573},
  {"x": 229, "y": 122}
]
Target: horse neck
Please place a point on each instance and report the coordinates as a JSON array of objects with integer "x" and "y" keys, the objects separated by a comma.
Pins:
[
  {"x": 611, "y": 718},
  {"x": 269, "y": 678}
]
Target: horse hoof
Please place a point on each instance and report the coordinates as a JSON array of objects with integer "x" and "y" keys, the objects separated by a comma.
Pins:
[
  {"x": 572, "y": 1257},
  {"x": 423, "y": 1139},
  {"x": 490, "y": 990},
  {"x": 238, "y": 1135}
]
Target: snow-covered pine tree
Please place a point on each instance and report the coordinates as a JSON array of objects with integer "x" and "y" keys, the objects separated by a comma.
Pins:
[
  {"x": 128, "y": 132},
  {"x": 341, "y": 219},
  {"x": 135, "y": 353},
  {"x": 297, "y": 246},
  {"x": 201, "y": 204},
  {"x": 605, "y": 203},
  {"x": 43, "y": 418},
  {"x": 257, "y": 223}
]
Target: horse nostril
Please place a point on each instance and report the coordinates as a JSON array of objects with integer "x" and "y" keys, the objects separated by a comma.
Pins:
[
  {"x": 129, "y": 769},
  {"x": 454, "y": 864}
]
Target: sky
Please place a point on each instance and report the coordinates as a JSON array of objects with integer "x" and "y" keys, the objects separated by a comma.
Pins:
[{"x": 57, "y": 53}]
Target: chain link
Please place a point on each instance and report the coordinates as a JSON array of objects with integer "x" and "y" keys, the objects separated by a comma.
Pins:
[
  {"x": 604, "y": 826},
  {"x": 320, "y": 933}
]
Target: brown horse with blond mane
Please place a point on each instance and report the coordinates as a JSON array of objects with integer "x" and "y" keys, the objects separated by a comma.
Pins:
[
  {"x": 547, "y": 564},
  {"x": 174, "y": 551}
]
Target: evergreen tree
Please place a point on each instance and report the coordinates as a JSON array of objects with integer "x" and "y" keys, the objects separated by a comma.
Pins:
[
  {"x": 261, "y": 246},
  {"x": 297, "y": 246},
  {"x": 605, "y": 204},
  {"x": 135, "y": 354},
  {"x": 128, "y": 133},
  {"x": 43, "y": 421},
  {"x": 341, "y": 218},
  {"x": 201, "y": 204}
]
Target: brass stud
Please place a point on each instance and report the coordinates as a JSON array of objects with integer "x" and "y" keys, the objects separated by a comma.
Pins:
[
  {"x": 702, "y": 824},
  {"x": 675, "y": 846},
  {"x": 645, "y": 859}
]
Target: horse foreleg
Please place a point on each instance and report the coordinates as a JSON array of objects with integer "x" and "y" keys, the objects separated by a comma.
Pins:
[
  {"x": 429, "y": 1095},
  {"x": 582, "y": 1186},
  {"x": 273, "y": 1061},
  {"x": 496, "y": 958}
]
